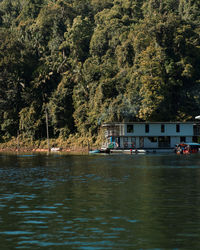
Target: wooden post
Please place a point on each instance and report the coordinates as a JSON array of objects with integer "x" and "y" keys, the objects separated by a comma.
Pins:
[
  {"x": 17, "y": 140},
  {"x": 47, "y": 128},
  {"x": 88, "y": 147}
]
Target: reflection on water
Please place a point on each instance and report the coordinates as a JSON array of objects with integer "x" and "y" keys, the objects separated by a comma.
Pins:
[{"x": 100, "y": 202}]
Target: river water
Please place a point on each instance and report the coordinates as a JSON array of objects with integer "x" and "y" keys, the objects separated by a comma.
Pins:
[{"x": 99, "y": 202}]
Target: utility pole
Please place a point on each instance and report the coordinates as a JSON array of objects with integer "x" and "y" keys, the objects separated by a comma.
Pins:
[
  {"x": 17, "y": 140},
  {"x": 47, "y": 128}
]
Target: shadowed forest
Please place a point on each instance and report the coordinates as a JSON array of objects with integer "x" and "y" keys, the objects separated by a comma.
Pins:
[{"x": 86, "y": 62}]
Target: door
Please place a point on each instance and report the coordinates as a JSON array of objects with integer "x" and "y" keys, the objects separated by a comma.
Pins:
[{"x": 164, "y": 141}]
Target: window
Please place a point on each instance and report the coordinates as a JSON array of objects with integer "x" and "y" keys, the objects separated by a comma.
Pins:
[
  {"x": 195, "y": 139},
  {"x": 162, "y": 128},
  {"x": 182, "y": 139},
  {"x": 125, "y": 142},
  {"x": 164, "y": 141},
  {"x": 129, "y": 128},
  {"x": 147, "y": 128},
  {"x": 153, "y": 139},
  {"x": 133, "y": 139},
  {"x": 177, "y": 128}
]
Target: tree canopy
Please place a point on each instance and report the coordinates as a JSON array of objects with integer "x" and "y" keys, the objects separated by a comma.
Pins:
[{"x": 94, "y": 61}]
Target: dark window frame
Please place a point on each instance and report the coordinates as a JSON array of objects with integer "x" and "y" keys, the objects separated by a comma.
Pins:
[
  {"x": 130, "y": 128},
  {"x": 146, "y": 128},
  {"x": 162, "y": 128},
  {"x": 177, "y": 128},
  {"x": 182, "y": 139},
  {"x": 164, "y": 141}
]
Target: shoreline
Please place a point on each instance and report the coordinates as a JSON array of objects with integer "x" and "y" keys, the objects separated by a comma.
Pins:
[
  {"x": 77, "y": 145},
  {"x": 41, "y": 150}
]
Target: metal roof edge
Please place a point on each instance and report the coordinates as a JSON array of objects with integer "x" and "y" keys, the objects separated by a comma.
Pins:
[{"x": 122, "y": 123}]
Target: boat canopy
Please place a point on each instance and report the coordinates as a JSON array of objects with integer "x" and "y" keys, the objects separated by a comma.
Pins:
[
  {"x": 193, "y": 144},
  {"x": 189, "y": 144}
]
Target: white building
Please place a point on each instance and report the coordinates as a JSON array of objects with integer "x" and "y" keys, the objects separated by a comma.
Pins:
[{"x": 151, "y": 135}]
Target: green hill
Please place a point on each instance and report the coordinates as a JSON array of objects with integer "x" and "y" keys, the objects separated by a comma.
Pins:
[{"x": 94, "y": 61}]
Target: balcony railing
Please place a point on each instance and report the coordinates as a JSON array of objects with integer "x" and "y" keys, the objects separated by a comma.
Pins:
[{"x": 109, "y": 133}]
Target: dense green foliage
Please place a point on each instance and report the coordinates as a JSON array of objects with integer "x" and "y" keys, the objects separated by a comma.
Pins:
[{"x": 94, "y": 61}]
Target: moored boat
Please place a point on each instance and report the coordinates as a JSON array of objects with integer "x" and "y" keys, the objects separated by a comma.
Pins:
[
  {"x": 55, "y": 149},
  {"x": 187, "y": 148},
  {"x": 96, "y": 151},
  {"x": 102, "y": 150}
]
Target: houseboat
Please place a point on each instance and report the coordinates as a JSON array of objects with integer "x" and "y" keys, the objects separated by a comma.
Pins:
[{"x": 148, "y": 136}]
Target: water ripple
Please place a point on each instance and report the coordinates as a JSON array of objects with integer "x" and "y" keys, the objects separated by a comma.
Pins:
[
  {"x": 16, "y": 232},
  {"x": 33, "y": 212},
  {"x": 112, "y": 202}
]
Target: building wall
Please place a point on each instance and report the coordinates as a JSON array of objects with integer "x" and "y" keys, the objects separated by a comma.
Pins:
[
  {"x": 175, "y": 140},
  {"x": 149, "y": 144},
  {"x": 155, "y": 130}
]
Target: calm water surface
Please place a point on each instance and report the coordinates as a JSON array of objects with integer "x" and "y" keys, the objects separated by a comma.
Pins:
[{"x": 99, "y": 202}]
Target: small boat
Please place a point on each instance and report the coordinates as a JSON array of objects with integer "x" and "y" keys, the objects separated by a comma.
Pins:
[
  {"x": 55, "y": 149},
  {"x": 187, "y": 148},
  {"x": 102, "y": 150},
  {"x": 96, "y": 151}
]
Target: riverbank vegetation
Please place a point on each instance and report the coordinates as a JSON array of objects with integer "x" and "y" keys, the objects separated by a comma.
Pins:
[{"x": 85, "y": 62}]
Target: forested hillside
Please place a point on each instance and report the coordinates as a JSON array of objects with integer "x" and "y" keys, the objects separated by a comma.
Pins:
[{"x": 94, "y": 61}]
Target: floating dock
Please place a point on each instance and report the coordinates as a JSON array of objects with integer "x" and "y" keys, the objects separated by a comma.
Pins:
[{"x": 140, "y": 151}]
